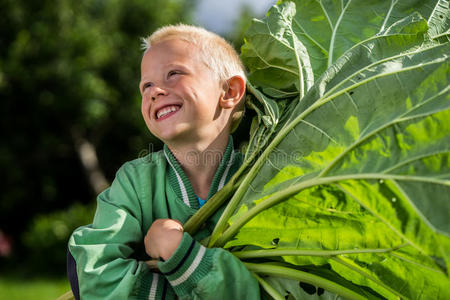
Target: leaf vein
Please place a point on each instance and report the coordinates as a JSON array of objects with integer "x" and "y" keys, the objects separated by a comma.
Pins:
[
  {"x": 271, "y": 65},
  {"x": 310, "y": 37},
  {"x": 388, "y": 15},
  {"x": 380, "y": 217},
  {"x": 326, "y": 14},
  {"x": 320, "y": 130},
  {"x": 333, "y": 35},
  {"x": 419, "y": 157}
]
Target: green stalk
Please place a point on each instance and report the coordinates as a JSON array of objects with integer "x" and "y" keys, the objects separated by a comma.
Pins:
[
  {"x": 285, "y": 272},
  {"x": 239, "y": 194},
  {"x": 212, "y": 205},
  {"x": 268, "y": 288},
  {"x": 259, "y": 97},
  {"x": 66, "y": 296},
  {"x": 222, "y": 223},
  {"x": 269, "y": 202},
  {"x": 297, "y": 252}
]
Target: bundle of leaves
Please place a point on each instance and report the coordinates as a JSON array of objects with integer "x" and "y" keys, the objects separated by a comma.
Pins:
[{"x": 345, "y": 185}]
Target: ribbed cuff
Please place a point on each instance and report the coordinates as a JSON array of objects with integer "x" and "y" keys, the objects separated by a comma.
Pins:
[
  {"x": 188, "y": 264},
  {"x": 151, "y": 286}
]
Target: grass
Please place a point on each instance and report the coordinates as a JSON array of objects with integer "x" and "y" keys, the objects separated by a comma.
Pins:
[{"x": 12, "y": 288}]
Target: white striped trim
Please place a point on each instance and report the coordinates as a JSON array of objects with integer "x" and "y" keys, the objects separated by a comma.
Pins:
[
  {"x": 180, "y": 183},
  {"x": 225, "y": 173},
  {"x": 152, "y": 294},
  {"x": 191, "y": 268}
]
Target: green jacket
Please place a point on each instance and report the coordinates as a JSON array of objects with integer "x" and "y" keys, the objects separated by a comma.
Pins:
[{"x": 109, "y": 253}]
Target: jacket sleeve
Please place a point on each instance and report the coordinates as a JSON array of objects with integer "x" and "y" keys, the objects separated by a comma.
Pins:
[
  {"x": 103, "y": 250},
  {"x": 196, "y": 272}
]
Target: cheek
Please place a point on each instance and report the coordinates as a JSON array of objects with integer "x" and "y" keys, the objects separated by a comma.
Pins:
[
  {"x": 144, "y": 108},
  {"x": 143, "y": 105}
]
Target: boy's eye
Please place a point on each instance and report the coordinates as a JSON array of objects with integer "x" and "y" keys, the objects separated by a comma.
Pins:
[
  {"x": 173, "y": 72},
  {"x": 146, "y": 85}
]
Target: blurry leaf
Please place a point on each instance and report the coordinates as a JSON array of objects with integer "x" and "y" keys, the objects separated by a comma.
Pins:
[{"x": 48, "y": 234}]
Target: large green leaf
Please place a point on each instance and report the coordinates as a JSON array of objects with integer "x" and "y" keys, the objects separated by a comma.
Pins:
[
  {"x": 273, "y": 48},
  {"x": 281, "y": 66},
  {"x": 357, "y": 176},
  {"x": 380, "y": 112},
  {"x": 301, "y": 38}
]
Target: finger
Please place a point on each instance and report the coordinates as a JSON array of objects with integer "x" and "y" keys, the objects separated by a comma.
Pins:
[
  {"x": 170, "y": 224},
  {"x": 180, "y": 225}
]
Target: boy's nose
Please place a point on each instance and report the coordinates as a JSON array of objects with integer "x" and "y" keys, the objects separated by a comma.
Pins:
[{"x": 156, "y": 92}]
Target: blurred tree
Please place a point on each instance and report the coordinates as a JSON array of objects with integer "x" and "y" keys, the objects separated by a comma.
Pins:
[{"x": 69, "y": 73}]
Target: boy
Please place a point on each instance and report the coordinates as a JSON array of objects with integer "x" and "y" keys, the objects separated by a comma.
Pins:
[{"x": 192, "y": 86}]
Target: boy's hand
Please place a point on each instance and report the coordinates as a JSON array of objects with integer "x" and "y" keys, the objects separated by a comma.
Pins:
[{"x": 163, "y": 238}]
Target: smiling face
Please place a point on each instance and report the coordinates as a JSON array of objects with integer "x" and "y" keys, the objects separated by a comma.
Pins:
[{"x": 180, "y": 94}]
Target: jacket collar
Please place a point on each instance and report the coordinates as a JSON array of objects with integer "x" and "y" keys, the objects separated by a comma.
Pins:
[{"x": 180, "y": 183}]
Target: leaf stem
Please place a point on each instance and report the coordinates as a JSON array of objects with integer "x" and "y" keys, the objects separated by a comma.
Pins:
[
  {"x": 222, "y": 223},
  {"x": 213, "y": 204},
  {"x": 285, "y": 272},
  {"x": 312, "y": 252},
  {"x": 333, "y": 35},
  {"x": 268, "y": 288}
]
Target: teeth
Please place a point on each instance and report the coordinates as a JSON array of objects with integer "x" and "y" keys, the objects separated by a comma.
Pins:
[{"x": 165, "y": 110}]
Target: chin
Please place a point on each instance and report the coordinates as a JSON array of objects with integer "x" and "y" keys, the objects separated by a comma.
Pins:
[
  {"x": 166, "y": 137},
  {"x": 174, "y": 133}
]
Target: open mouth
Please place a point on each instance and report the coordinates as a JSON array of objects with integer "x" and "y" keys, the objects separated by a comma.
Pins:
[{"x": 167, "y": 111}]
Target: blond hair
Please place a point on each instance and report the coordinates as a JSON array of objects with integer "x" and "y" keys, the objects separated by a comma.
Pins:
[{"x": 214, "y": 51}]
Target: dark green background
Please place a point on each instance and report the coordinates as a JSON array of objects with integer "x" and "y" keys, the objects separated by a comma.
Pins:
[{"x": 69, "y": 71}]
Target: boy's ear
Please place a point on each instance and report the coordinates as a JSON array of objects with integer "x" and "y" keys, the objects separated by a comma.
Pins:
[{"x": 234, "y": 90}]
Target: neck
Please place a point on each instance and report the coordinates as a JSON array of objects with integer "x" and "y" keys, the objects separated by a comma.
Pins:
[{"x": 200, "y": 161}]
